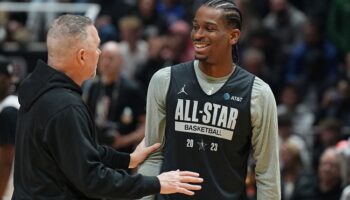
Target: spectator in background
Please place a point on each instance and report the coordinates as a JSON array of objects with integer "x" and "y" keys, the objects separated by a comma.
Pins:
[
  {"x": 314, "y": 8},
  {"x": 251, "y": 17},
  {"x": 313, "y": 62},
  {"x": 344, "y": 71},
  {"x": 16, "y": 30},
  {"x": 39, "y": 22},
  {"x": 336, "y": 103},
  {"x": 284, "y": 23},
  {"x": 338, "y": 25},
  {"x": 106, "y": 29},
  {"x": 115, "y": 10},
  {"x": 287, "y": 135},
  {"x": 178, "y": 46},
  {"x": 301, "y": 115},
  {"x": 156, "y": 61},
  {"x": 344, "y": 151},
  {"x": 171, "y": 11},
  {"x": 327, "y": 135},
  {"x": 262, "y": 40},
  {"x": 328, "y": 186},
  {"x": 8, "y": 115},
  {"x": 153, "y": 23},
  {"x": 179, "y": 40},
  {"x": 133, "y": 48},
  {"x": 297, "y": 183},
  {"x": 116, "y": 102},
  {"x": 253, "y": 61}
]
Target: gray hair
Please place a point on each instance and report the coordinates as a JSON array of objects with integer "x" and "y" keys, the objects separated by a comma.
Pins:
[
  {"x": 66, "y": 33},
  {"x": 69, "y": 25}
]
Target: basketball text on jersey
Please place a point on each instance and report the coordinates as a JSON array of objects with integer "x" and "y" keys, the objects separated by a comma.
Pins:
[{"x": 211, "y": 119}]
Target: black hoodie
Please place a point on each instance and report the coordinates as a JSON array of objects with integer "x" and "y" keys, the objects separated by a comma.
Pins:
[{"x": 57, "y": 155}]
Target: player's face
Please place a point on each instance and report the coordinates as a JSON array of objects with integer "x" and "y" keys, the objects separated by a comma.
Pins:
[{"x": 212, "y": 37}]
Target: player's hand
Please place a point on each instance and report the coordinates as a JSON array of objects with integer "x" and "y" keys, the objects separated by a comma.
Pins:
[
  {"x": 179, "y": 182},
  {"x": 141, "y": 153}
]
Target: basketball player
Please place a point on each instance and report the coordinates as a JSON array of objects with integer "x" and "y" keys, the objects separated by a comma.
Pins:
[
  {"x": 209, "y": 113},
  {"x": 57, "y": 154}
]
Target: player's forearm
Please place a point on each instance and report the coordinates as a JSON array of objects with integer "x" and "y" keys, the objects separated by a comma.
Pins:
[
  {"x": 155, "y": 122},
  {"x": 267, "y": 171},
  {"x": 265, "y": 142}
]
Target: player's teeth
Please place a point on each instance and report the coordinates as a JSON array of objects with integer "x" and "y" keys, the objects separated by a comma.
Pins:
[{"x": 200, "y": 45}]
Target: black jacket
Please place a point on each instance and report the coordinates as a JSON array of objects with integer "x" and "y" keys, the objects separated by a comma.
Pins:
[{"x": 57, "y": 155}]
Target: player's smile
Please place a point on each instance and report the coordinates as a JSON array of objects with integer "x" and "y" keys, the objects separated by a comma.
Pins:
[
  {"x": 200, "y": 47},
  {"x": 200, "y": 44}
]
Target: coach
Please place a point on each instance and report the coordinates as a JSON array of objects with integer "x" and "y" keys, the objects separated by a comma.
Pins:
[{"x": 57, "y": 155}]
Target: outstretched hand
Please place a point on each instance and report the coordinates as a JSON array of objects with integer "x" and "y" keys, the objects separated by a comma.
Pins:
[
  {"x": 178, "y": 182},
  {"x": 141, "y": 153}
]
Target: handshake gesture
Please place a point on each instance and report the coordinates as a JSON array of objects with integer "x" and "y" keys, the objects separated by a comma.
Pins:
[{"x": 170, "y": 182}]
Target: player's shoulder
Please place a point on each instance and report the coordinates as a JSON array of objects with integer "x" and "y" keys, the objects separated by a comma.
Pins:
[
  {"x": 260, "y": 88},
  {"x": 162, "y": 74},
  {"x": 260, "y": 85}
]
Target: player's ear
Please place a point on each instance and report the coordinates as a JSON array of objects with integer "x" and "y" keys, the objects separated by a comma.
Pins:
[{"x": 234, "y": 36}]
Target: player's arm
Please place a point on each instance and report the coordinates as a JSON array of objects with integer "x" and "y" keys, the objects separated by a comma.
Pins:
[
  {"x": 265, "y": 141},
  {"x": 155, "y": 121}
]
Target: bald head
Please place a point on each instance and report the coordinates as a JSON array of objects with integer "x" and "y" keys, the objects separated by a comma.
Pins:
[
  {"x": 67, "y": 34},
  {"x": 329, "y": 169},
  {"x": 111, "y": 46},
  {"x": 111, "y": 61}
]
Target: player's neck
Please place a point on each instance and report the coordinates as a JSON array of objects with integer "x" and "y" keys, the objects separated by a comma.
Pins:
[{"x": 217, "y": 69}]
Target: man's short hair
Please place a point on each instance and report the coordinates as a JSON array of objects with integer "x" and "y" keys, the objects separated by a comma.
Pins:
[
  {"x": 67, "y": 31},
  {"x": 73, "y": 26}
]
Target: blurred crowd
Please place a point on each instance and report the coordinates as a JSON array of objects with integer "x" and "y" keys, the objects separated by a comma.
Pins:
[{"x": 301, "y": 48}]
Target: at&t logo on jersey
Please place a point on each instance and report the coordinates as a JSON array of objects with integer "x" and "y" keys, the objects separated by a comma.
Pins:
[{"x": 227, "y": 96}]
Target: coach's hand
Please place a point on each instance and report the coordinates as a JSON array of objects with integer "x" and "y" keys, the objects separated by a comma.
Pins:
[
  {"x": 141, "y": 153},
  {"x": 178, "y": 182}
]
